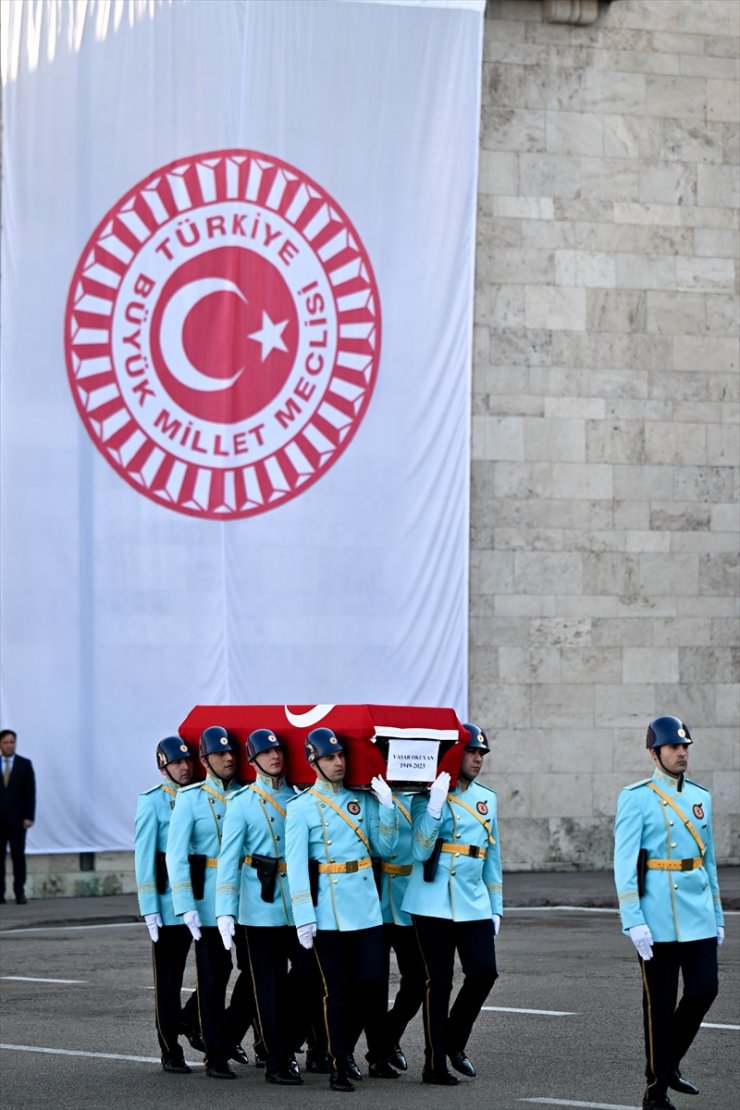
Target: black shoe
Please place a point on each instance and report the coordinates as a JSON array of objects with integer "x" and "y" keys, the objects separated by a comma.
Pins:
[
  {"x": 678, "y": 1083},
  {"x": 293, "y": 1067},
  {"x": 657, "y": 1102},
  {"x": 460, "y": 1063},
  {"x": 176, "y": 1066},
  {"x": 220, "y": 1070},
  {"x": 317, "y": 1062},
  {"x": 439, "y": 1078},
  {"x": 340, "y": 1081},
  {"x": 352, "y": 1069},
  {"x": 381, "y": 1069},
  {"x": 284, "y": 1076},
  {"x": 21, "y": 900},
  {"x": 194, "y": 1036},
  {"x": 2, "y": 899},
  {"x": 397, "y": 1058},
  {"x": 236, "y": 1052},
  {"x": 260, "y": 1056}
]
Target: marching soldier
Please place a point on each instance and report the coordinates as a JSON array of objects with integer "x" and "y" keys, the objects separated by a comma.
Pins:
[
  {"x": 252, "y": 886},
  {"x": 399, "y": 935},
  {"x": 666, "y": 879},
  {"x": 171, "y": 939},
  {"x": 331, "y": 834},
  {"x": 192, "y": 857},
  {"x": 455, "y": 899}
]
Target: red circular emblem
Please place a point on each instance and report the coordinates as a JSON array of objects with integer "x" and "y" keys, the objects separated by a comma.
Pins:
[
  {"x": 482, "y": 808},
  {"x": 222, "y": 334},
  {"x": 698, "y": 811},
  {"x": 353, "y": 808}
]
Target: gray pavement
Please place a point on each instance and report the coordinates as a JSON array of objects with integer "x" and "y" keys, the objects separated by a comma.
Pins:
[
  {"x": 562, "y": 1026},
  {"x": 524, "y": 888}
]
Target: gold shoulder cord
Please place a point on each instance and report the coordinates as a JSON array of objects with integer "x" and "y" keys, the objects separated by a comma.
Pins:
[
  {"x": 486, "y": 824},
  {"x": 343, "y": 815},
  {"x": 669, "y": 801}
]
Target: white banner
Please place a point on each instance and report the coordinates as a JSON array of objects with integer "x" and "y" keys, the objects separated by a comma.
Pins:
[{"x": 237, "y": 278}]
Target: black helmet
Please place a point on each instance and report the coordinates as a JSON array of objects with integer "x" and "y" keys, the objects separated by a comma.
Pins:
[
  {"x": 215, "y": 740},
  {"x": 478, "y": 740},
  {"x": 321, "y": 742},
  {"x": 667, "y": 730},
  {"x": 262, "y": 740},
  {"x": 171, "y": 749}
]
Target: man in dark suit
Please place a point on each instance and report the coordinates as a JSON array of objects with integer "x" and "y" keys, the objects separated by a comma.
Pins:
[{"x": 17, "y": 810}]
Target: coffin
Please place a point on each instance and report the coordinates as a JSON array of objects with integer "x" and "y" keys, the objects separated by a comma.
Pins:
[{"x": 407, "y": 745}]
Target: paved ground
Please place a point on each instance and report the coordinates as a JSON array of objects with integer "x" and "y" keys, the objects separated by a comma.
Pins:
[{"x": 563, "y": 1028}]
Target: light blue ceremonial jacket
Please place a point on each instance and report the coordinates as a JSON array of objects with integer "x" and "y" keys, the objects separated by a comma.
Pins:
[
  {"x": 394, "y": 886},
  {"x": 676, "y": 905},
  {"x": 153, "y": 812},
  {"x": 196, "y": 825},
  {"x": 465, "y": 888},
  {"x": 254, "y": 824},
  {"x": 313, "y": 830}
]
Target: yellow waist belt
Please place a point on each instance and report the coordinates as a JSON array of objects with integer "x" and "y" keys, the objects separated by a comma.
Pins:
[
  {"x": 396, "y": 868},
  {"x": 211, "y": 863},
  {"x": 282, "y": 866},
  {"x": 347, "y": 868},
  {"x": 474, "y": 850},
  {"x": 674, "y": 864}
]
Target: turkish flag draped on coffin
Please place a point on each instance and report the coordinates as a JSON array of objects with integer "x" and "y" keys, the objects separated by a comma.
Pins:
[{"x": 236, "y": 317}]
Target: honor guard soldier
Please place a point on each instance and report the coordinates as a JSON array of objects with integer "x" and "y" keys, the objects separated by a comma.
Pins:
[
  {"x": 399, "y": 935},
  {"x": 252, "y": 888},
  {"x": 455, "y": 899},
  {"x": 666, "y": 879},
  {"x": 331, "y": 834},
  {"x": 192, "y": 857},
  {"x": 171, "y": 939}
]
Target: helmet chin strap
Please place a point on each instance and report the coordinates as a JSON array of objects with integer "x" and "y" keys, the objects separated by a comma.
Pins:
[
  {"x": 207, "y": 761},
  {"x": 275, "y": 778},
  {"x": 679, "y": 776}
]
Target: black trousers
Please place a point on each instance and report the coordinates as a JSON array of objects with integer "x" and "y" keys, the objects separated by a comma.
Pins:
[
  {"x": 353, "y": 991},
  {"x": 279, "y": 1008},
  {"x": 448, "y": 1029},
  {"x": 407, "y": 1003},
  {"x": 670, "y": 1029},
  {"x": 14, "y": 835},
  {"x": 222, "y": 1028},
  {"x": 169, "y": 956}
]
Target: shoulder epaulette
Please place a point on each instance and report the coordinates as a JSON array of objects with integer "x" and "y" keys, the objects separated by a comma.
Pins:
[
  {"x": 192, "y": 786},
  {"x": 634, "y": 785},
  {"x": 692, "y": 783},
  {"x": 236, "y": 793},
  {"x": 151, "y": 790},
  {"x": 482, "y": 786}
]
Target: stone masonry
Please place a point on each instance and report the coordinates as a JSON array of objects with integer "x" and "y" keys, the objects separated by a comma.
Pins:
[{"x": 604, "y": 514}]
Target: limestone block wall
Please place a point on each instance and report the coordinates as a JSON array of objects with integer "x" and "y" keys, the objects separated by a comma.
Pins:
[{"x": 604, "y": 517}]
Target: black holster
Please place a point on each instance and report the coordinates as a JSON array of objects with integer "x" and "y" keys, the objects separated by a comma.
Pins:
[
  {"x": 378, "y": 873},
  {"x": 267, "y": 873},
  {"x": 642, "y": 858},
  {"x": 313, "y": 880},
  {"x": 430, "y": 865},
  {"x": 160, "y": 871},
  {"x": 198, "y": 876}
]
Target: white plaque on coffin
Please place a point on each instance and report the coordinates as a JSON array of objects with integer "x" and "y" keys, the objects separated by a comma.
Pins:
[{"x": 412, "y": 760}]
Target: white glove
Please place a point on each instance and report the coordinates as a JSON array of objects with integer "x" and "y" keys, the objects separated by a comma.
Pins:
[
  {"x": 382, "y": 791},
  {"x": 496, "y": 923},
  {"x": 720, "y": 935},
  {"x": 226, "y": 927},
  {"x": 154, "y": 924},
  {"x": 438, "y": 795},
  {"x": 642, "y": 939},
  {"x": 306, "y": 933},
  {"x": 192, "y": 920}
]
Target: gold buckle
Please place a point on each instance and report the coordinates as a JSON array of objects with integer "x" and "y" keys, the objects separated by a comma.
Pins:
[
  {"x": 687, "y": 865},
  {"x": 351, "y": 866}
]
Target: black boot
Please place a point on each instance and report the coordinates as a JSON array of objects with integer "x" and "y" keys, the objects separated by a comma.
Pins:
[{"x": 678, "y": 1083}]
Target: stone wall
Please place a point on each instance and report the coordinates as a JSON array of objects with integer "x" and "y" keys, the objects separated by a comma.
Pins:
[{"x": 604, "y": 519}]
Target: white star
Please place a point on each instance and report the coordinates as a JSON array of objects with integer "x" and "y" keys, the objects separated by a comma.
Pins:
[{"x": 270, "y": 336}]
